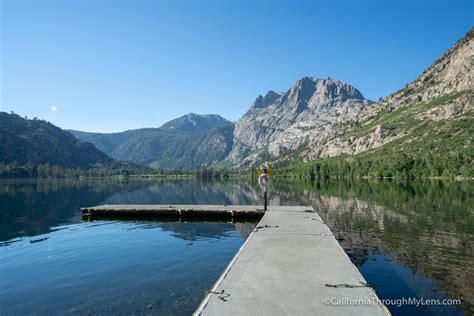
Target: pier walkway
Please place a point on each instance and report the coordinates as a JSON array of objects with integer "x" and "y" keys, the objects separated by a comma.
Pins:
[{"x": 291, "y": 264}]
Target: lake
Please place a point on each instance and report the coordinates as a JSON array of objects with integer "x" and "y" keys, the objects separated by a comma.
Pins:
[{"x": 409, "y": 239}]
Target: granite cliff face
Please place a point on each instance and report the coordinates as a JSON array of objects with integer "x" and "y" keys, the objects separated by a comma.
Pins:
[
  {"x": 442, "y": 93},
  {"x": 320, "y": 118},
  {"x": 279, "y": 123},
  {"x": 315, "y": 118}
]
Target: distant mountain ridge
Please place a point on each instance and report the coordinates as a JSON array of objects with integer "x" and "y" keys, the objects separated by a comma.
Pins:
[
  {"x": 188, "y": 142},
  {"x": 429, "y": 122},
  {"x": 194, "y": 123},
  {"x": 274, "y": 124}
]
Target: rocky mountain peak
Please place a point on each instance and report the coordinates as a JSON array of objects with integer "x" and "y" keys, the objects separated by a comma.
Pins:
[
  {"x": 310, "y": 92},
  {"x": 263, "y": 102},
  {"x": 322, "y": 93},
  {"x": 280, "y": 123},
  {"x": 194, "y": 123},
  {"x": 314, "y": 118},
  {"x": 443, "y": 92}
]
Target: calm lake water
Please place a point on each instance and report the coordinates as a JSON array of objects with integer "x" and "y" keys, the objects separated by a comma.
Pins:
[{"x": 409, "y": 239}]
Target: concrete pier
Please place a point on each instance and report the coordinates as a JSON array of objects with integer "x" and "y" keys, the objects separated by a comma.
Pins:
[{"x": 291, "y": 264}]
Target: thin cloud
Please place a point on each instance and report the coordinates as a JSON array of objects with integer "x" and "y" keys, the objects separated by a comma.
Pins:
[{"x": 54, "y": 109}]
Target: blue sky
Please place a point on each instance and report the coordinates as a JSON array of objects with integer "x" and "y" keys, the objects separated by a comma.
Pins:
[{"x": 111, "y": 65}]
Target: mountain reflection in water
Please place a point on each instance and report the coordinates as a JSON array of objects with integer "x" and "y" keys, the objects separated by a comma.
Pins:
[{"x": 408, "y": 238}]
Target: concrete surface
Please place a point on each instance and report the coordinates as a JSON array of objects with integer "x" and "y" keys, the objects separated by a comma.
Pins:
[{"x": 291, "y": 265}]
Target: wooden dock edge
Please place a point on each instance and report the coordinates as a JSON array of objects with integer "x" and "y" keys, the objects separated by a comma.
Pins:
[{"x": 110, "y": 211}]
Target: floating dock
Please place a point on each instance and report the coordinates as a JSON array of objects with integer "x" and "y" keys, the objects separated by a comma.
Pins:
[
  {"x": 177, "y": 211},
  {"x": 291, "y": 264}
]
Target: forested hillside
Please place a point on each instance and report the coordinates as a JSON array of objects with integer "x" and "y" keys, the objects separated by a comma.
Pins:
[
  {"x": 188, "y": 142},
  {"x": 30, "y": 148}
]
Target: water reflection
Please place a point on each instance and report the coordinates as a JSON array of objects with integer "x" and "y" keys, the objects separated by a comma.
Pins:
[
  {"x": 53, "y": 262},
  {"x": 108, "y": 266},
  {"x": 407, "y": 238},
  {"x": 30, "y": 208},
  {"x": 190, "y": 230},
  {"x": 190, "y": 192},
  {"x": 425, "y": 227}
]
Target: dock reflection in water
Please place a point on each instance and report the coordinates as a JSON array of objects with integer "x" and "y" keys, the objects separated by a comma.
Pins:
[
  {"x": 51, "y": 262},
  {"x": 409, "y": 239}
]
